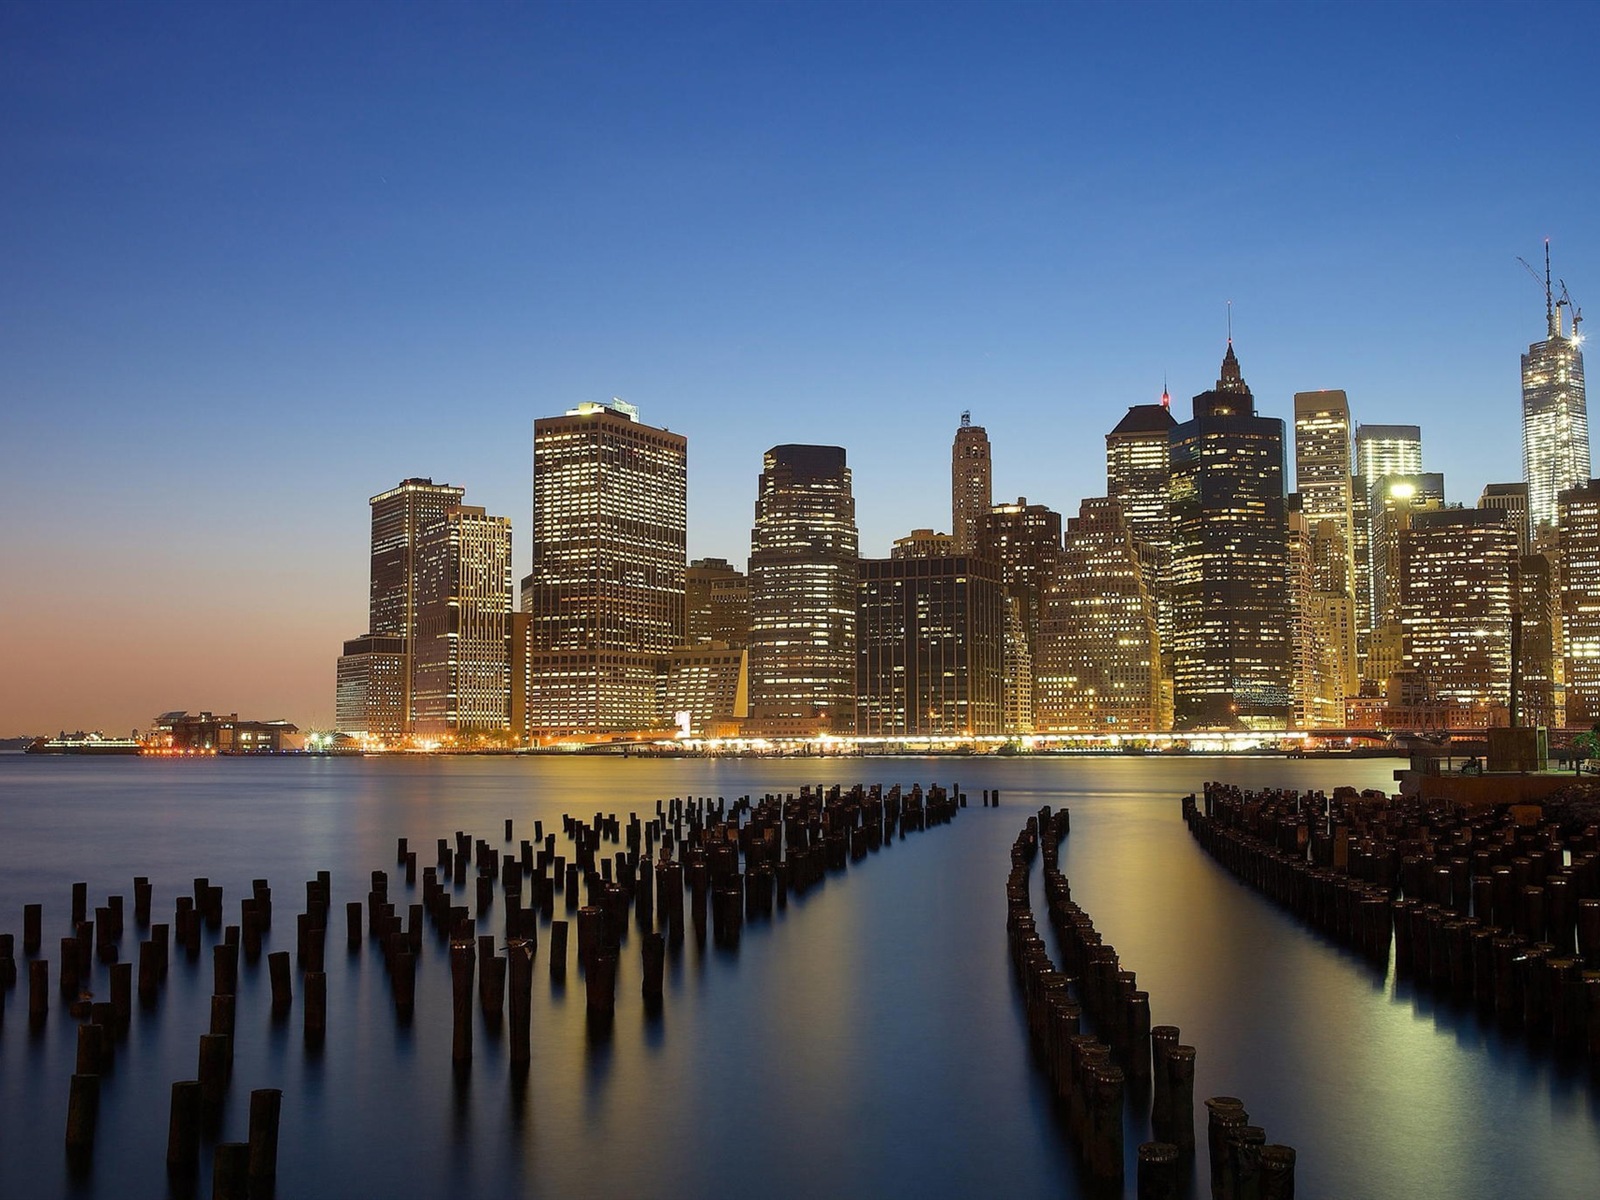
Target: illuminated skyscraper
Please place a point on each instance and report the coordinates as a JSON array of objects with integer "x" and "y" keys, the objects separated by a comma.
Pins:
[
  {"x": 1230, "y": 602},
  {"x": 930, "y": 632},
  {"x": 804, "y": 551},
  {"x": 1323, "y": 480},
  {"x": 1099, "y": 666},
  {"x": 1025, "y": 539},
  {"x": 1380, "y": 450},
  {"x": 461, "y": 685},
  {"x": 1555, "y": 414},
  {"x": 370, "y": 695},
  {"x": 1579, "y": 522},
  {"x": 1137, "y": 478},
  {"x": 1457, "y": 591},
  {"x": 400, "y": 517},
  {"x": 605, "y": 597},
  {"x": 971, "y": 484}
]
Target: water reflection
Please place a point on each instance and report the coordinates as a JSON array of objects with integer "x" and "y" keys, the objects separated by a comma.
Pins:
[{"x": 871, "y": 1023}]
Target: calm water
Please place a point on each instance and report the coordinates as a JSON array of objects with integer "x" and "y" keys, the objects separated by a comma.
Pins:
[{"x": 867, "y": 1042}]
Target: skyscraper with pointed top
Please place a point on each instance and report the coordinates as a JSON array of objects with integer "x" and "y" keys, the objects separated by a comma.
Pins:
[
  {"x": 971, "y": 485},
  {"x": 1230, "y": 601},
  {"x": 1555, "y": 414}
]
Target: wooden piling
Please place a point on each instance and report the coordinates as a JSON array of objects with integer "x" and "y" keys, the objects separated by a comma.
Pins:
[
  {"x": 558, "y": 949},
  {"x": 91, "y": 1049},
  {"x": 215, "y": 1053},
  {"x": 520, "y": 964},
  {"x": 1158, "y": 1171},
  {"x": 32, "y": 928},
  {"x": 461, "y": 964},
  {"x": 38, "y": 991},
  {"x": 316, "y": 1007},
  {"x": 278, "y": 969},
  {"x": 83, "y": 1106},
  {"x": 265, "y": 1107},
  {"x": 230, "y": 1171},
  {"x": 183, "y": 1126}
]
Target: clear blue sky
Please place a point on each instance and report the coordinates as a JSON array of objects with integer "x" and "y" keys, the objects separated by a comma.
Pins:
[{"x": 262, "y": 261}]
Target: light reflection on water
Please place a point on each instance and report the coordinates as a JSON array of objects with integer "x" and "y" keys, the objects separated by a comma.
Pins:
[{"x": 866, "y": 1042}]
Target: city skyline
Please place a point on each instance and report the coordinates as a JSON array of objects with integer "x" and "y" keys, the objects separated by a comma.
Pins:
[{"x": 275, "y": 302}]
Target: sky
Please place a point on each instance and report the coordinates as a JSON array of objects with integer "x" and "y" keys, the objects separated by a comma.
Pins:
[{"x": 259, "y": 262}]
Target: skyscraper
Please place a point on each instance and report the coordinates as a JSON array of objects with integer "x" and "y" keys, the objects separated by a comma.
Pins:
[
  {"x": 1230, "y": 606},
  {"x": 1323, "y": 481},
  {"x": 804, "y": 551},
  {"x": 605, "y": 597},
  {"x": 370, "y": 688},
  {"x": 1380, "y": 450},
  {"x": 930, "y": 631},
  {"x": 1025, "y": 539},
  {"x": 1578, "y": 517},
  {"x": 461, "y": 684},
  {"x": 1555, "y": 414},
  {"x": 400, "y": 517},
  {"x": 971, "y": 485},
  {"x": 1099, "y": 666},
  {"x": 1137, "y": 478},
  {"x": 1457, "y": 591}
]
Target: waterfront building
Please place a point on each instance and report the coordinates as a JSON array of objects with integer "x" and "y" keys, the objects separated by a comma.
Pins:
[
  {"x": 707, "y": 689},
  {"x": 1137, "y": 477},
  {"x": 1025, "y": 539},
  {"x": 971, "y": 484},
  {"x": 716, "y": 603},
  {"x": 1555, "y": 414},
  {"x": 461, "y": 685},
  {"x": 930, "y": 643},
  {"x": 221, "y": 733},
  {"x": 1230, "y": 605},
  {"x": 1578, "y": 521},
  {"x": 605, "y": 597},
  {"x": 804, "y": 550},
  {"x": 1511, "y": 499},
  {"x": 1457, "y": 591},
  {"x": 370, "y": 688},
  {"x": 400, "y": 517},
  {"x": 1324, "y": 473},
  {"x": 1099, "y": 668}
]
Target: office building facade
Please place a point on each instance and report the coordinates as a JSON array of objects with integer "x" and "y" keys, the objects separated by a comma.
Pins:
[
  {"x": 1231, "y": 658},
  {"x": 605, "y": 597},
  {"x": 804, "y": 551}
]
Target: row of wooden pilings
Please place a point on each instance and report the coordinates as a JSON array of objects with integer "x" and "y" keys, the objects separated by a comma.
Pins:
[
  {"x": 1478, "y": 908},
  {"x": 787, "y": 845},
  {"x": 1094, "y": 1076}
]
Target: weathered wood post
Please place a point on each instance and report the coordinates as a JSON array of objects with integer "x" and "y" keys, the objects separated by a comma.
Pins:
[
  {"x": 230, "y": 1171},
  {"x": 278, "y": 969},
  {"x": 461, "y": 964},
  {"x": 83, "y": 1107},
  {"x": 1158, "y": 1171},
  {"x": 520, "y": 959},
  {"x": 265, "y": 1106},
  {"x": 183, "y": 1127},
  {"x": 316, "y": 1007}
]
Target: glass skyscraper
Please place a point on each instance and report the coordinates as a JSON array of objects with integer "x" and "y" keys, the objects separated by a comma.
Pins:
[
  {"x": 1555, "y": 420},
  {"x": 804, "y": 551}
]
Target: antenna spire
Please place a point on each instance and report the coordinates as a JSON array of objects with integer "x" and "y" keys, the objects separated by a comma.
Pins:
[
  {"x": 1549, "y": 307},
  {"x": 1230, "y": 302}
]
